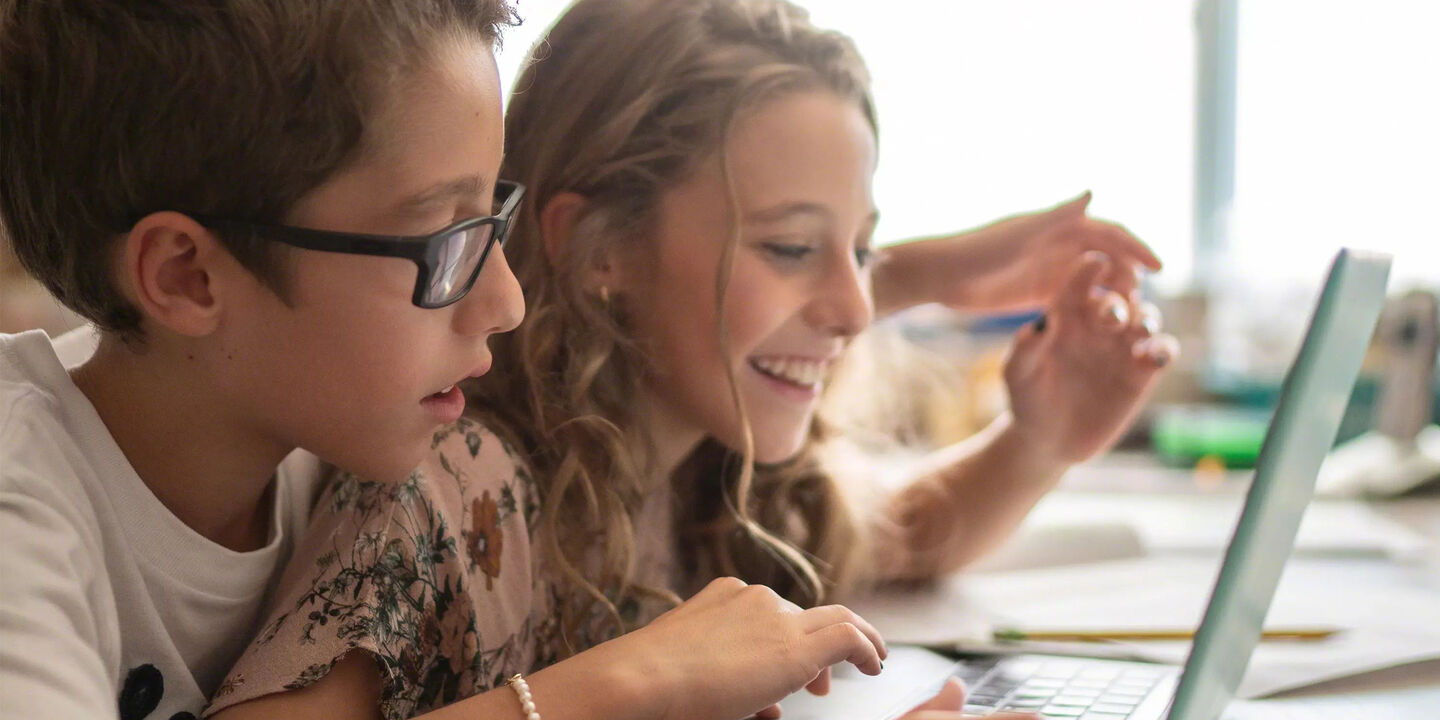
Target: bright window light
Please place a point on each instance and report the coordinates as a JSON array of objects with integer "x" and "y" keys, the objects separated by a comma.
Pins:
[
  {"x": 990, "y": 108},
  {"x": 1337, "y": 138}
]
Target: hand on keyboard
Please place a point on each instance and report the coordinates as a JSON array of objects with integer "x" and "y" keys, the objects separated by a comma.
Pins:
[{"x": 947, "y": 703}]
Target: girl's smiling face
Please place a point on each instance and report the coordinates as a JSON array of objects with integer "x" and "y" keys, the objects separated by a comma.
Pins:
[{"x": 799, "y": 290}]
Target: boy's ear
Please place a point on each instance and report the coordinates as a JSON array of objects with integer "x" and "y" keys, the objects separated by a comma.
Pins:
[
  {"x": 169, "y": 265},
  {"x": 558, "y": 220}
]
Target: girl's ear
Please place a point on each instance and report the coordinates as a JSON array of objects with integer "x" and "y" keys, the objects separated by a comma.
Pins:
[
  {"x": 557, "y": 223},
  {"x": 558, "y": 220},
  {"x": 168, "y": 269}
]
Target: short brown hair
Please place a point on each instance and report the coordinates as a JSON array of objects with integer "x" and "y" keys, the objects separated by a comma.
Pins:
[{"x": 113, "y": 109}]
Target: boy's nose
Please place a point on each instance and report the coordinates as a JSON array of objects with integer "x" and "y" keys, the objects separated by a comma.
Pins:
[{"x": 495, "y": 304}]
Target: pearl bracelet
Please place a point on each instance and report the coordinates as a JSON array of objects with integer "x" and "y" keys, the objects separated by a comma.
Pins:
[{"x": 522, "y": 691}]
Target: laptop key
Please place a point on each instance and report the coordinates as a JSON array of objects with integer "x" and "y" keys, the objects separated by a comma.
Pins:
[
  {"x": 1062, "y": 711},
  {"x": 1112, "y": 708},
  {"x": 1102, "y": 716},
  {"x": 1138, "y": 683},
  {"x": 1057, "y": 670},
  {"x": 1148, "y": 673},
  {"x": 1024, "y": 703},
  {"x": 1135, "y": 692},
  {"x": 1040, "y": 696},
  {"x": 1111, "y": 699},
  {"x": 1044, "y": 683}
]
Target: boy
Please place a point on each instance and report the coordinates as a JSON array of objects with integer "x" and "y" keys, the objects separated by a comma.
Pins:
[{"x": 155, "y": 161}]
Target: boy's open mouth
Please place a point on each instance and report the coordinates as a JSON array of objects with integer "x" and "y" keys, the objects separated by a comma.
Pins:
[{"x": 445, "y": 406}]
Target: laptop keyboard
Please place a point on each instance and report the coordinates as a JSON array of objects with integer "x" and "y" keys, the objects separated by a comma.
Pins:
[{"x": 1056, "y": 688}]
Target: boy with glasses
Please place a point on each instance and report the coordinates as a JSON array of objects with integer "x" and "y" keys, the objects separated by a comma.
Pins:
[{"x": 244, "y": 197}]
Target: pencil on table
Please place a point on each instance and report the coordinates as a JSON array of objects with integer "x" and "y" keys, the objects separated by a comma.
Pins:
[{"x": 1015, "y": 634}]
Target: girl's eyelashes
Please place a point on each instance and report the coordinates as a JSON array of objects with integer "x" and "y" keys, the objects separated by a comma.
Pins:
[
  {"x": 787, "y": 251},
  {"x": 865, "y": 257},
  {"x": 791, "y": 252}
]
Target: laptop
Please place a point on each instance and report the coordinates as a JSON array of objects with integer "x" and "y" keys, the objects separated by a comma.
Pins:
[{"x": 1307, "y": 418}]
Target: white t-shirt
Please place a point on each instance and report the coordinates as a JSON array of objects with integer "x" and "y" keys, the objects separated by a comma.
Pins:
[{"x": 110, "y": 606}]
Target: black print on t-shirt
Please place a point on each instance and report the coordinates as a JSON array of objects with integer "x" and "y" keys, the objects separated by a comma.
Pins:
[{"x": 144, "y": 686}]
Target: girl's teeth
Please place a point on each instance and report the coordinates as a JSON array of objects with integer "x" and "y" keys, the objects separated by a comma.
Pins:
[{"x": 799, "y": 372}]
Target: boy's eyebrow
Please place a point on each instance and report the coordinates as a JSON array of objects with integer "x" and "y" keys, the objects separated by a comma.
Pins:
[{"x": 469, "y": 186}]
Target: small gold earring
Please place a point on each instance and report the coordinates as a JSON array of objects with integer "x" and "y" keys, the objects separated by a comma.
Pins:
[{"x": 605, "y": 294}]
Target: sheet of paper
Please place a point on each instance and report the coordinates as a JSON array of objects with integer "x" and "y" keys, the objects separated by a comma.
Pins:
[
  {"x": 1390, "y": 616},
  {"x": 1195, "y": 522},
  {"x": 1417, "y": 699}
]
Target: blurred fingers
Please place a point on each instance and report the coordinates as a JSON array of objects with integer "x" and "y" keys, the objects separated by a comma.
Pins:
[
  {"x": 827, "y": 615},
  {"x": 1027, "y": 349},
  {"x": 1123, "y": 275},
  {"x": 1072, "y": 208},
  {"x": 769, "y": 713},
  {"x": 1122, "y": 245},
  {"x": 950, "y": 698},
  {"x": 1149, "y": 318},
  {"x": 1156, "y": 350},
  {"x": 821, "y": 684},
  {"x": 1109, "y": 310},
  {"x": 1085, "y": 274},
  {"x": 843, "y": 641}
]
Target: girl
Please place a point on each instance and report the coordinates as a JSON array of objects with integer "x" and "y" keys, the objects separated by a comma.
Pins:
[{"x": 696, "y": 256}]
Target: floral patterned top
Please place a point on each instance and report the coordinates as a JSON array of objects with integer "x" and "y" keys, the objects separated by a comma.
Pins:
[{"x": 434, "y": 577}]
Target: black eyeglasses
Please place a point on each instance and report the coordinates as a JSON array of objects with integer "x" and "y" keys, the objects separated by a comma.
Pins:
[{"x": 449, "y": 259}]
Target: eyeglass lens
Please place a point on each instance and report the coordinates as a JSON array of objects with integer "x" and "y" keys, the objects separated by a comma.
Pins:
[{"x": 460, "y": 254}]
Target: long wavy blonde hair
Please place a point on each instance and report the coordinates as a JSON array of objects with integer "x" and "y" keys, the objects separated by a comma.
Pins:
[{"x": 619, "y": 102}]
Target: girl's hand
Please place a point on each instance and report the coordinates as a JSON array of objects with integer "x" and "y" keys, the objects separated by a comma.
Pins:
[
  {"x": 734, "y": 650},
  {"x": 1078, "y": 377},
  {"x": 1016, "y": 263}
]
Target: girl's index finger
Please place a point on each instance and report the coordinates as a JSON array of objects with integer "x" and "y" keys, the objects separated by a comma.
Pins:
[
  {"x": 1122, "y": 276},
  {"x": 1128, "y": 247}
]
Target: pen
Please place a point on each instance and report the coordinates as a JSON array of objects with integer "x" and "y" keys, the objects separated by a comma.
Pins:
[{"x": 1015, "y": 634}]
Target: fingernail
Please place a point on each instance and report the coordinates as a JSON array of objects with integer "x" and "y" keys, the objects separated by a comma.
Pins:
[
  {"x": 1140, "y": 349},
  {"x": 1119, "y": 314}
]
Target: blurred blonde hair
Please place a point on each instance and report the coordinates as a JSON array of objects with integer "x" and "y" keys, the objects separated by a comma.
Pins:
[{"x": 620, "y": 101}]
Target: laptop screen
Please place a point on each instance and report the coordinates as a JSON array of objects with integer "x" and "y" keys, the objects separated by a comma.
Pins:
[{"x": 1312, "y": 401}]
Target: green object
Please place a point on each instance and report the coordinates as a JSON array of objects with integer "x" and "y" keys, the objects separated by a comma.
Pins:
[{"x": 1182, "y": 435}]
